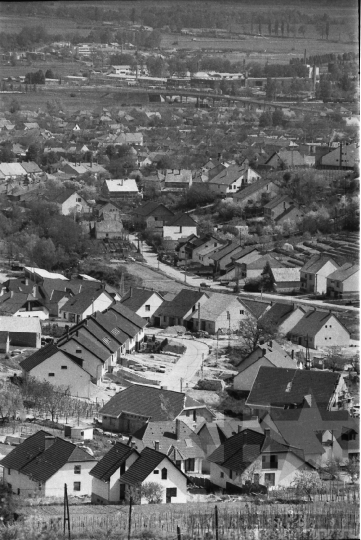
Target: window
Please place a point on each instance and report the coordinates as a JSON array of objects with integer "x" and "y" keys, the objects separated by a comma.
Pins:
[
  {"x": 51, "y": 374},
  {"x": 18, "y": 491},
  {"x": 64, "y": 315},
  {"x": 222, "y": 475},
  {"x": 178, "y": 464},
  {"x": 115, "y": 331},
  {"x": 147, "y": 307},
  {"x": 270, "y": 462},
  {"x": 269, "y": 479},
  {"x": 156, "y": 471},
  {"x": 241, "y": 311},
  {"x": 77, "y": 469},
  {"x": 82, "y": 433},
  {"x": 230, "y": 474},
  {"x": 9, "y": 471},
  {"x": 194, "y": 416},
  {"x": 64, "y": 367},
  {"x": 189, "y": 464},
  {"x": 122, "y": 468},
  {"x": 164, "y": 474},
  {"x": 78, "y": 351},
  {"x": 77, "y": 486},
  {"x": 78, "y": 199}
]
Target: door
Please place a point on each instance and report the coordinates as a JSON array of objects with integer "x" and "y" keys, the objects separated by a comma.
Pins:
[
  {"x": 121, "y": 492},
  {"x": 170, "y": 492}
]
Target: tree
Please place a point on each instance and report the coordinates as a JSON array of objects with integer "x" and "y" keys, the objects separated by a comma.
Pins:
[
  {"x": 45, "y": 253},
  {"x": 265, "y": 120},
  {"x": 152, "y": 492},
  {"x": 267, "y": 279},
  {"x": 283, "y": 27},
  {"x": 270, "y": 89},
  {"x": 33, "y": 151},
  {"x": 327, "y": 29},
  {"x": 11, "y": 403},
  {"x": 14, "y": 106},
  {"x": 7, "y": 504},
  {"x": 302, "y": 30},
  {"x": 307, "y": 482},
  {"x": 49, "y": 74},
  {"x": 253, "y": 332},
  {"x": 333, "y": 468},
  {"x": 278, "y": 118},
  {"x": 352, "y": 468}
]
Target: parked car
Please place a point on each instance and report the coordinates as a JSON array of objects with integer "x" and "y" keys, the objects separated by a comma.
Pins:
[{"x": 205, "y": 285}]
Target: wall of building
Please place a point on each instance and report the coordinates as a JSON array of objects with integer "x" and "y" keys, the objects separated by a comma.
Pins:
[
  {"x": 332, "y": 334},
  {"x": 55, "y": 485},
  {"x": 291, "y": 321},
  {"x": 73, "y": 377},
  {"x": 176, "y": 233},
  {"x": 175, "y": 479},
  {"x": 351, "y": 284},
  {"x": 74, "y": 203},
  {"x": 154, "y": 302},
  {"x": 23, "y": 485},
  {"x": 91, "y": 363}
]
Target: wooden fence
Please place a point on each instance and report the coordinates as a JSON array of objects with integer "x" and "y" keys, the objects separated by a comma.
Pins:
[{"x": 235, "y": 523}]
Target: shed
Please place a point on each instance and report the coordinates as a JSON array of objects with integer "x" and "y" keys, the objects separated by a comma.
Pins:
[{"x": 82, "y": 432}]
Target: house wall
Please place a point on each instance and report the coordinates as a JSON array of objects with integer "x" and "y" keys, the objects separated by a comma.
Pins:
[
  {"x": 23, "y": 483},
  {"x": 288, "y": 466},
  {"x": 332, "y": 334},
  {"x": 91, "y": 363},
  {"x": 109, "y": 492},
  {"x": 236, "y": 311},
  {"x": 175, "y": 479},
  {"x": 317, "y": 283},
  {"x": 73, "y": 376},
  {"x": 227, "y": 259},
  {"x": 127, "y": 423},
  {"x": 66, "y": 476},
  {"x": 287, "y": 286},
  {"x": 175, "y": 233},
  {"x": 256, "y": 196},
  {"x": 99, "y": 304},
  {"x": 245, "y": 379},
  {"x": 153, "y": 302},
  {"x": 75, "y": 202},
  {"x": 199, "y": 254}
]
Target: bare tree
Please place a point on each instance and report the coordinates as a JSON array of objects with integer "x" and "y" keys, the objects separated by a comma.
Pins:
[{"x": 254, "y": 332}]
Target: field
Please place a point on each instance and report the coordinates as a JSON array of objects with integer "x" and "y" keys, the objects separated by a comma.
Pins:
[
  {"x": 154, "y": 280},
  {"x": 53, "y": 25},
  {"x": 63, "y": 68}
]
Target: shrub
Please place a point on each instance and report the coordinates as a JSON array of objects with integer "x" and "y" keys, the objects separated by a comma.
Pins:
[{"x": 152, "y": 492}]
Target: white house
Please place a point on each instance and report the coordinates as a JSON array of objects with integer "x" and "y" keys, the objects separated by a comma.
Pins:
[
  {"x": 179, "y": 226},
  {"x": 315, "y": 272},
  {"x": 42, "y": 464},
  {"x": 122, "y": 189},
  {"x": 221, "y": 312},
  {"x": 144, "y": 302},
  {"x": 344, "y": 282},
  {"x": 58, "y": 368},
  {"x": 231, "y": 179},
  {"x": 70, "y": 201},
  {"x": 85, "y": 303},
  {"x": 319, "y": 329}
]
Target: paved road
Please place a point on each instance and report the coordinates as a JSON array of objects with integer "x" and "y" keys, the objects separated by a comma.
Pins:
[
  {"x": 187, "y": 365},
  {"x": 296, "y": 300}
]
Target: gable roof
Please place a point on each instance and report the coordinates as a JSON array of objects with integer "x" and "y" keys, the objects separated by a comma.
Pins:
[
  {"x": 154, "y": 403},
  {"x": 148, "y": 460},
  {"x": 256, "y": 307},
  {"x": 79, "y": 303},
  {"x": 216, "y": 305},
  {"x": 311, "y": 323},
  {"x": 239, "y": 451},
  {"x": 286, "y": 274},
  {"x": 119, "y": 186},
  {"x": 20, "y": 324},
  {"x": 181, "y": 220},
  {"x": 344, "y": 272},
  {"x": 278, "y": 313},
  {"x": 64, "y": 196},
  {"x": 277, "y": 387},
  {"x": 32, "y": 459},
  {"x": 272, "y": 351},
  {"x": 229, "y": 175},
  {"x": 316, "y": 262},
  {"x": 136, "y": 297},
  {"x": 84, "y": 342},
  {"x": 149, "y": 207},
  {"x": 188, "y": 445},
  {"x": 252, "y": 188},
  {"x": 127, "y": 315},
  {"x": 226, "y": 250},
  {"x": 261, "y": 262},
  {"x": 43, "y": 354},
  {"x": 185, "y": 300},
  {"x": 273, "y": 203},
  {"x": 112, "y": 461}
]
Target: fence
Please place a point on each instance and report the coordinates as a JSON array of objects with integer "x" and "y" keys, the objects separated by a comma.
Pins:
[
  {"x": 331, "y": 492},
  {"x": 236, "y": 522}
]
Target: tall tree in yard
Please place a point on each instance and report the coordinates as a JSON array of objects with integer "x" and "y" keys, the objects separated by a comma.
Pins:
[
  {"x": 268, "y": 281},
  {"x": 253, "y": 332}
]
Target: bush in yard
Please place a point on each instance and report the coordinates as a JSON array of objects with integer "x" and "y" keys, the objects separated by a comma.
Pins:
[
  {"x": 152, "y": 492},
  {"x": 307, "y": 482}
]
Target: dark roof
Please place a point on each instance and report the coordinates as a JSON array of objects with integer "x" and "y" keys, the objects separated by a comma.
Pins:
[
  {"x": 62, "y": 197},
  {"x": 154, "y": 403},
  {"x": 316, "y": 262},
  {"x": 251, "y": 189},
  {"x": 149, "y": 207},
  {"x": 82, "y": 301},
  {"x": 127, "y": 314},
  {"x": 277, "y": 313},
  {"x": 245, "y": 251},
  {"x": 277, "y": 200},
  {"x": 239, "y": 451},
  {"x": 136, "y": 297},
  {"x": 229, "y": 175},
  {"x": 85, "y": 343},
  {"x": 226, "y": 250},
  {"x": 43, "y": 354},
  {"x": 149, "y": 459},
  {"x": 11, "y": 302},
  {"x": 179, "y": 220},
  {"x": 31, "y": 458},
  {"x": 257, "y": 307},
  {"x": 90, "y": 326},
  {"x": 311, "y": 323},
  {"x": 277, "y": 387},
  {"x": 112, "y": 460},
  {"x": 185, "y": 300}
]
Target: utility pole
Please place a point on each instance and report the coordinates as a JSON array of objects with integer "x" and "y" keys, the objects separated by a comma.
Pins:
[
  {"x": 66, "y": 511},
  {"x": 199, "y": 316},
  {"x": 130, "y": 518},
  {"x": 229, "y": 328},
  {"x": 185, "y": 272},
  {"x": 217, "y": 347}
]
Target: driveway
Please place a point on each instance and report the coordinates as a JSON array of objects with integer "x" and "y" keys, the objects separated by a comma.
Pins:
[{"x": 187, "y": 366}]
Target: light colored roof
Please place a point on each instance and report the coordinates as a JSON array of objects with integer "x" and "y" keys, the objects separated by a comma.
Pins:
[
  {"x": 316, "y": 263},
  {"x": 178, "y": 175},
  {"x": 215, "y": 306},
  {"x": 126, "y": 185},
  {"x": 44, "y": 273},
  {"x": 20, "y": 324},
  {"x": 286, "y": 274},
  {"x": 344, "y": 272},
  {"x": 273, "y": 352},
  {"x": 229, "y": 175},
  {"x": 12, "y": 169}
]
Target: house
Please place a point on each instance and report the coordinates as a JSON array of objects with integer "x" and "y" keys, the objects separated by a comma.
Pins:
[
  {"x": 284, "y": 388},
  {"x": 179, "y": 226},
  {"x": 108, "y": 211},
  {"x": 230, "y": 179},
  {"x": 346, "y": 156},
  {"x": 108, "y": 228},
  {"x": 224, "y": 256},
  {"x": 284, "y": 317},
  {"x": 198, "y": 249},
  {"x": 153, "y": 466},
  {"x": 4, "y": 342},
  {"x": 122, "y": 190},
  {"x": 314, "y": 273},
  {"x": 292, "y": 214},
  {"x": 220, "y": 313},
  {"x": 70, "y": 202},
  {"x": 344, "y": 282},
  {"x": 32, "y": 169},
  {"x": 256, "y": 193},
  {"x": 41, "y": 465},
  {"x": 175, "y": 179},
  {"x": 106, "y": 475},
  {"x": 144, "y": 302},
  {"x": 85, "y": 303},
  {"x": 321, "y": 435},
  {"x": 59, "y": 368},
  {"x": 285, "y": 159},
  {"x": 129, "y": 138},
  {"x": 19, "y": 304},
  {"x": 23, "y": 332},
  {"x": 11, "y": 171},
  {"x": 319, "y": 329},
  {"x": 286, "y": 279},
  {"x": 179, "y": 311},
  {"x": 130, "y": 409},
  {"x": 277, "y": 206},
  {"x": 254, "y": 269},
  {"x": 73, "y": 170},
  {"x": 259, "y": 458},
  {"x": 174, "y": 439},
  {"x": 268, "y": 354},
  {"x": 130, "y": 323},
  {"x": 242, "y": 258},
  {"x": 152, "y": 214}
]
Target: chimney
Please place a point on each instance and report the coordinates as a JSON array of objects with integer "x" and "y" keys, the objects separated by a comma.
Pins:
[
  {"x": 11, "y": 294},
  {"x": 49, "y": 441},
  {"x": 156, "y": 446},
  {"x": 270, "y": 344},
  {"x": 177, "y": 429},
  {"x": 34, "y": 290},
  {"x": 26, "y": 281},
  {"x": 130, "y": 441},
  {"x": 239, "y": 429}
]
